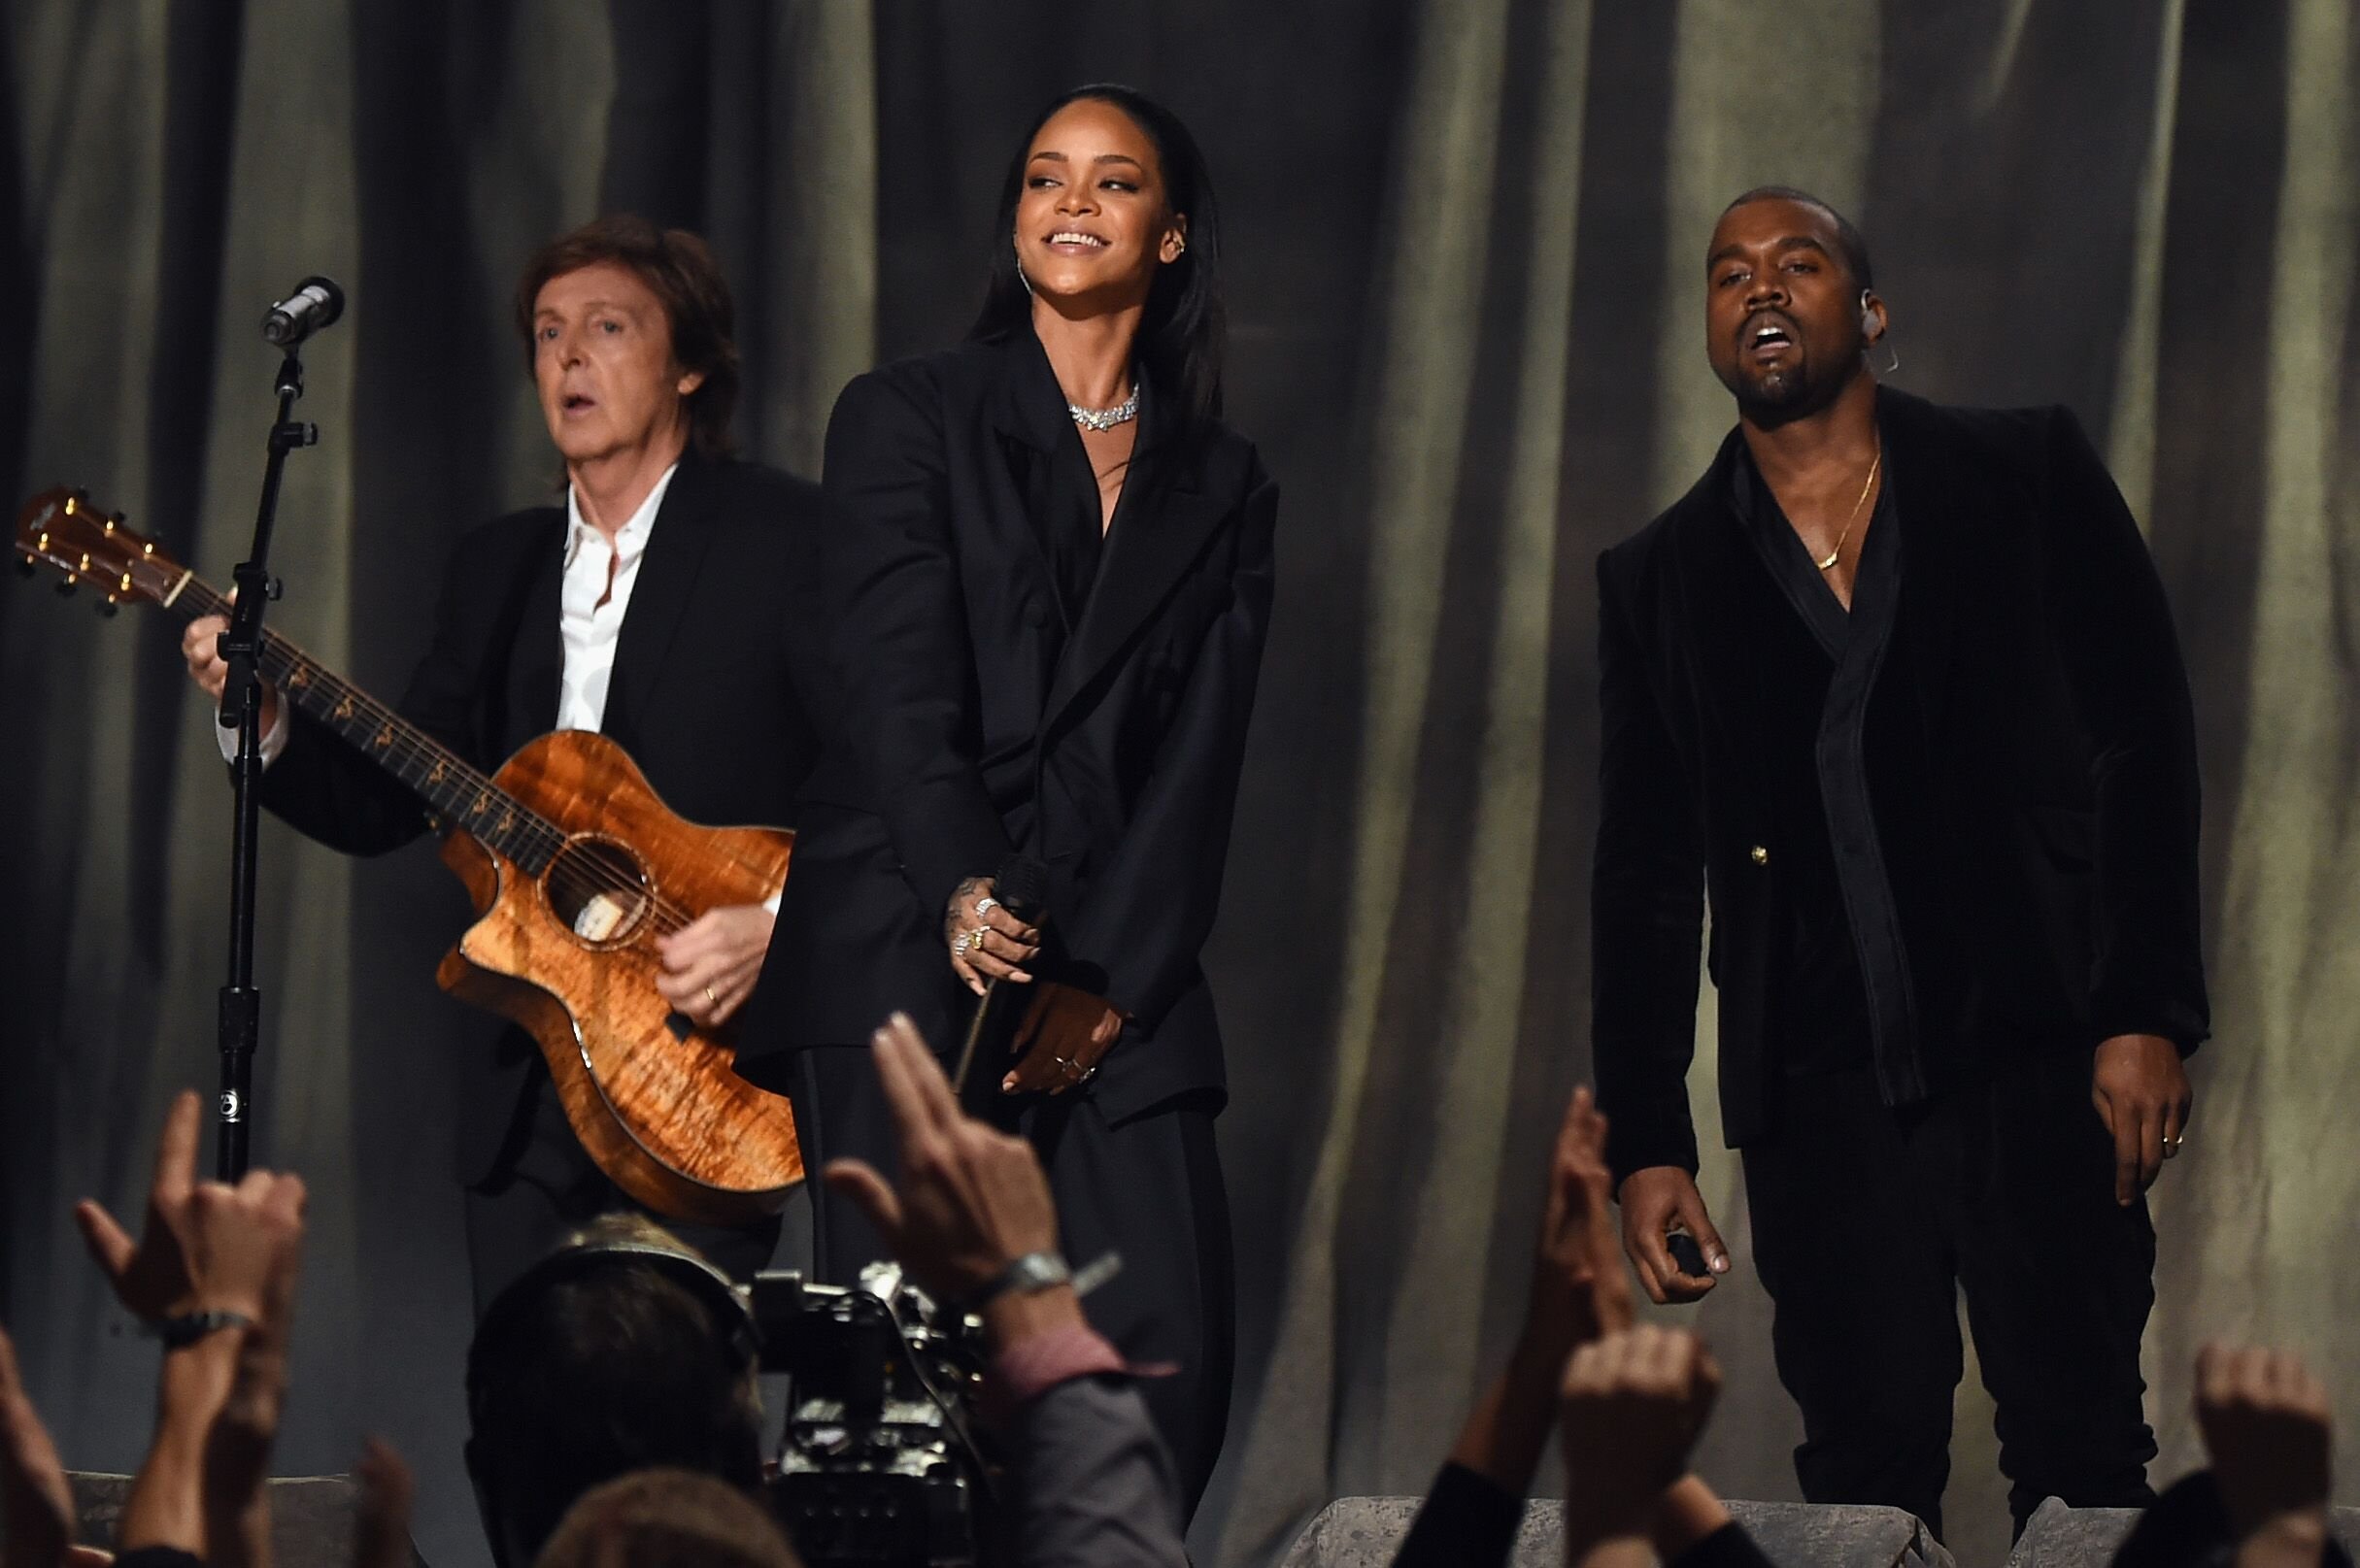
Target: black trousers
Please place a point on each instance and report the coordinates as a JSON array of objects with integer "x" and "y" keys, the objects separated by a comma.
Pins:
[
  {"x": 1868, "y": 1224},
  {"x": 1148, "y": 1188},
  {"x": 543, "y": 1186}
]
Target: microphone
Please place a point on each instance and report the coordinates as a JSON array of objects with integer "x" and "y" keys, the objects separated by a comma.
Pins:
[
  {"x": 313, "y": 307},
  {"x": 1022, "y": 888}
]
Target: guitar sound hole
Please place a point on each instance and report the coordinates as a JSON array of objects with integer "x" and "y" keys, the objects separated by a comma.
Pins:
[{"x": 598, "y": 890}]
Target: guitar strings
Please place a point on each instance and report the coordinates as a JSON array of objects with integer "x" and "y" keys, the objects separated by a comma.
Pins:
[
  {"x": 570, "y": 873},
  {"x": 574, "y": 875}
]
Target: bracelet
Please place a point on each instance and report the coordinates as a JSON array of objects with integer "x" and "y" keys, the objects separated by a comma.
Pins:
[
  {"x": 1032, "y": 1273},
  {"x": 182, "y": 1331}
]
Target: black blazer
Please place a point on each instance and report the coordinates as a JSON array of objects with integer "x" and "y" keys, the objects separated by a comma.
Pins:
[
  {"x": 970, "y": 720},
  {"x": 708, "y": 692},
  {"x": 2058, "y": 906}
]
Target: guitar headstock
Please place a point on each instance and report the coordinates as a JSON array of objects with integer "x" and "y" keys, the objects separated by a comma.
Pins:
[{"x": 89, "y": 547}]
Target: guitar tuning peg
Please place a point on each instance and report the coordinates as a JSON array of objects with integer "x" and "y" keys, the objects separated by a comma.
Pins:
[
  {"x": 108, "y": 609},
  {"x": 66, "y": 587},
  {"x": 26, "y": 566}
]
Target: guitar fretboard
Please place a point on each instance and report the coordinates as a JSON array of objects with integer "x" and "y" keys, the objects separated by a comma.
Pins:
[{"x": 457, "y": 792}]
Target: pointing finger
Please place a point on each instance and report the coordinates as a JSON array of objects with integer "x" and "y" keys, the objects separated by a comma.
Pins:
[
  {"x": 109, "y": 1245},
  {"x": 175, "y": 1153},
  {"x": 925, "y": 1071},
  {"x": 2125, "y": 1123},
  {"x": 2150, "y": 1145},
  {"x": 868, "y": 1194}
]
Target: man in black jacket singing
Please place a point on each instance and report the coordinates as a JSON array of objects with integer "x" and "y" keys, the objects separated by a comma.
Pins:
[
  {"x": 665, "y": 600},
  {"x": 1897, "y": 685}
]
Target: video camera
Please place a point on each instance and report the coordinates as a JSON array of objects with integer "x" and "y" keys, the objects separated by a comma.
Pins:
[{"x": 878, "y": 1463}]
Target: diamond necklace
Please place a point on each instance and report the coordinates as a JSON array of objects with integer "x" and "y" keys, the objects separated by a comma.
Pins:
[{"x": 1105, "y": 419}]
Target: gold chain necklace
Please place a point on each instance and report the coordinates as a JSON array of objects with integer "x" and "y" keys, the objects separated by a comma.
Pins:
[{"x": 1828, "y": 564}]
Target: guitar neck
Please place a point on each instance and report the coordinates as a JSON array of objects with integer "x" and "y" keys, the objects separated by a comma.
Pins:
[{"x": 457, "y": 792}]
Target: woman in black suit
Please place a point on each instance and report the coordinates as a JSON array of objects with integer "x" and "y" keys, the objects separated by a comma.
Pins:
[{"x": 1049, "y": 569}]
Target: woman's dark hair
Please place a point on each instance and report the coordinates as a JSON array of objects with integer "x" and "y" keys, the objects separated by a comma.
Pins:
[
  {"x": 679, "y": 270},
  {"x": 1181, "y": 335}
]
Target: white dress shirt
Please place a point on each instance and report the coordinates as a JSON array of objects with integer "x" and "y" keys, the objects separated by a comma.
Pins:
[{"x": 597, "y": 591}]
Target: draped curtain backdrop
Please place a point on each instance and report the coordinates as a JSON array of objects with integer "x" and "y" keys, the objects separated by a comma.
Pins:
[{"x": 1467, "y": 243}]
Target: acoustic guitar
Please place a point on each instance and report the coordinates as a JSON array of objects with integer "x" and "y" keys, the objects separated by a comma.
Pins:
[{"x": 575, "y": 867}]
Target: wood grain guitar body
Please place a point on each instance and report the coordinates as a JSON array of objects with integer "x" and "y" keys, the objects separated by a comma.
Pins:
[{"x": 570, "y": 955}]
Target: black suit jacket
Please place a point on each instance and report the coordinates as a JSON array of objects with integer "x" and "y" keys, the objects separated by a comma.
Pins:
[
  {"x": 2057, "y": 905},
  {"x": 707, "y": 694},
  {"x": 969, "y": 719}
]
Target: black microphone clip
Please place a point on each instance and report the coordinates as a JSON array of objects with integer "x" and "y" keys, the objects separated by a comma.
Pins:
[{"x": 313, "y": 307}]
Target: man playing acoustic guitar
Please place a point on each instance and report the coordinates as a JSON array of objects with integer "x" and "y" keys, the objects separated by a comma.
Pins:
[{"x": 661, "y": 605}]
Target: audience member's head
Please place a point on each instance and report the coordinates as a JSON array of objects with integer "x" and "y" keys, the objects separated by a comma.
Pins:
[
  {"x": 661, "y": 1518},
  {"x": 621, "y": 1350}
]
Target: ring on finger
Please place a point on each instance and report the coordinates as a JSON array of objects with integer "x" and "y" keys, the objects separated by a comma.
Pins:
[{"x": 984, "y": 906}]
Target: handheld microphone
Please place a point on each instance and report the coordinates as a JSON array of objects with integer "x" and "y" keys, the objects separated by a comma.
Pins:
[
  {"x": 313, "y": 307},
  {"x": 1022, "y": 888}
]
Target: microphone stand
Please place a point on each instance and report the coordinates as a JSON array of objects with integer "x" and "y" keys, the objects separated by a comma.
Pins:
[{"x": 239, "y": 1016}]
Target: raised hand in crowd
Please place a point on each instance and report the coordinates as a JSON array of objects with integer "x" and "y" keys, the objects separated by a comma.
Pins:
[
  {"x": 206, "y": 1247},
  {"x": 1090, "y": 1484},
  {"x": 212, "y": 1273},
  {"x": 1578, "y": 1291},
  {"x": 237, "y": 1450},
  {"x": 381, "y": 1522},
  {"x": 35, "y": 1506},
  {"x": 2269, "y": 1433},
  {"x": 2263, "y": 1503},
  {"x": 972, "y": 1199},
  {"x": 1635, "y": 1403}
]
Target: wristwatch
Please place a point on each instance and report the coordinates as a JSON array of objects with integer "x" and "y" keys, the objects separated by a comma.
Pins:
[{"x": 1031, "y": 1274}]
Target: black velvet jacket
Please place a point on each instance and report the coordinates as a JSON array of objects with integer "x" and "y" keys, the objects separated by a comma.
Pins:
[{"x": 2046, "y": 880}]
